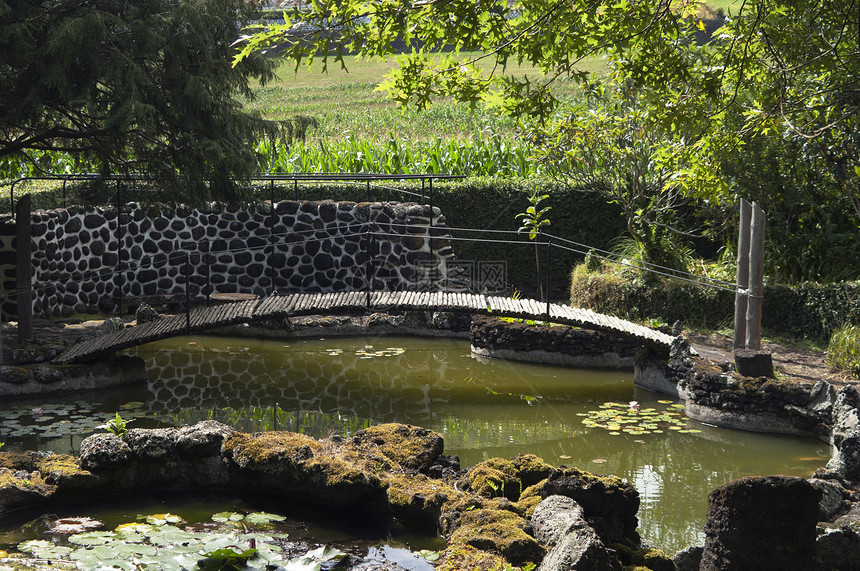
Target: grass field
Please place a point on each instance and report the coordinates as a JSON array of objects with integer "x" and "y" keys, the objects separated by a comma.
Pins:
[{"x": 346, "y": 103}]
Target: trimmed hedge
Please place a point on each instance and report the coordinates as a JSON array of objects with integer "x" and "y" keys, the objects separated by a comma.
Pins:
[
  {"x": 656, "y": 297},
  {"x": 810, "y": 309},
  {"x": 806, "y": 311}
]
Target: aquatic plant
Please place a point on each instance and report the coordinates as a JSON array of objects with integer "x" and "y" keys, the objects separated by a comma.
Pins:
[
  {"x": 368, "y": 352},
  {"x": 58, "y": 420},
  {"x": 632, "y": 419},
  {"x": 157, "y": 542}
]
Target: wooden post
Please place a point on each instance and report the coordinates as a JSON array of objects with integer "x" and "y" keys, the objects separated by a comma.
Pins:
[
  {"x": 743, "y": 270},
  {"x": 24, "y": 268},
  {"x": 756, "y": 276}
]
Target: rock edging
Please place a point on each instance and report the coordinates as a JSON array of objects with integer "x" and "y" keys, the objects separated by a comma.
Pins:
[{"x": 391, "y": 470}]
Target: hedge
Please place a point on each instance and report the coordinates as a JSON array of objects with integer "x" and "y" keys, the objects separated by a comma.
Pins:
[{"x": 806, "y": 311}]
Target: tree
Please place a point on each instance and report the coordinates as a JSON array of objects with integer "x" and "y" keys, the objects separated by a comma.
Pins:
[
  {"x": 607, "y": 144},
  {"x": 144, "y": 85},
  {"x": 790, "y": 66}
]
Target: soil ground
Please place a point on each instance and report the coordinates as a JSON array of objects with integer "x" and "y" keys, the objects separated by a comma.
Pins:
[{"x": 789, "y": 362}]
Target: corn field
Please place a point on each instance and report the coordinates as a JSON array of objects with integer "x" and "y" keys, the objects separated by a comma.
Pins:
[{"x": 492, "y": 157}]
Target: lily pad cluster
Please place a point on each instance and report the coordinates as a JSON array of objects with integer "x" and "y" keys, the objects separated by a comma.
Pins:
[
  {"x": 618, "y": 418},
  {"x": 368, "y": 352},
  {"x": 157, "y": 541},
  {"x": 58, "y": 420}
]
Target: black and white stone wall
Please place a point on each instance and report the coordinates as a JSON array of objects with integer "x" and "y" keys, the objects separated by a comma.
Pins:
[{"x": 83, "y": 262}]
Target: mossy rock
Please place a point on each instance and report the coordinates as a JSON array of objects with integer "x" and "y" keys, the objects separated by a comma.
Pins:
[
  {"x": 466, "y": 558},
  {"x": 650, "y": 559},
  {"x": 499, "y": 477},
  {"x": 299, "y": 466},
  {"x": 498, "y": 531},
  {"x": 531, "y": 469},
  {"x": 493, "y": 478},
  {"x": 63, "y": 471},
  {"x": 610, "y": 504},
  {"x": 420, "y": 499},
  {"x": 277, "y": 451},
  {"x": 411, "y": 447},
  {"x": 22, "y": 489},
  {"x": 529, "y": 500}
]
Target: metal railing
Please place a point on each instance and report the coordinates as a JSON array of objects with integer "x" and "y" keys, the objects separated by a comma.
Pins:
[{"x": 363, "y": 179}]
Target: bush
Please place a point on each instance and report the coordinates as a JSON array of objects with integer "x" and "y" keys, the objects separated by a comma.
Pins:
[
  {"x": 843, "y": 351},
  {"x": 639, "y": 299},
  {"x": 806, "y": 311}
]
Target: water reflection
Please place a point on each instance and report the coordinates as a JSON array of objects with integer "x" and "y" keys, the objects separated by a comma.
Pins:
[{"x": 484, "y": 408}]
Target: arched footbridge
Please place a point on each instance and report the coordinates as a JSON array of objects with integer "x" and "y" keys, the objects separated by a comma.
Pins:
[{"x": 289, "y": 305}]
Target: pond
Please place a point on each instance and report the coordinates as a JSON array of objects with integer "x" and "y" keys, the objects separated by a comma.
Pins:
[{"x": 482, "y": 407}]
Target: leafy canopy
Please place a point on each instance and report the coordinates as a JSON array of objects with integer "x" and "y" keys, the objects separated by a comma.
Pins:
[
  {"x": 144, "y": 85},
  {"x": 785, "y": 66}
]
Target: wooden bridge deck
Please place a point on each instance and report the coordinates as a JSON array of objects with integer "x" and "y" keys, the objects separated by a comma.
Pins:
[{"x": 280, "y": 306}]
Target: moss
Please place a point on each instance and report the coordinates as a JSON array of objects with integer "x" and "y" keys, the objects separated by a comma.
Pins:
[
  {"x": 531, "y": 469},
  {"x": 338, "y": 472},
  {"x": 58, "y": 468},
  {"x": 268, "y": 447},
  {"x": 494, "y": 477},
  {"x": 501, "y": 532},
  {"x": 14, "y": 479},
  {"x": 584, "y": 477},
  {"x": 18, "y": 460},
  {"x": 460, "y": 557},
  {"x": 411, "y": 447},
  {"x": 420, "y": 498},
  {"x": 643, "y": 559},
  {"x": 529, "y": 500}
]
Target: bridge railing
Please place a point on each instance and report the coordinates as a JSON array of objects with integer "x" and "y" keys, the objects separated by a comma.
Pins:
[{"x": 194, "y": 282}]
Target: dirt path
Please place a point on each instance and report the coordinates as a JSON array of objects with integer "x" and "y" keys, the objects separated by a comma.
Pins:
[{"x": 800, "y": 364}]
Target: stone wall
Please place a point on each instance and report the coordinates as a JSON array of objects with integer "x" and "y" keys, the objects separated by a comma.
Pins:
[
  {"x": 557, "y": 345},
  {"x": 83, "y": 262},
  {"x": 720, "y": 396}
]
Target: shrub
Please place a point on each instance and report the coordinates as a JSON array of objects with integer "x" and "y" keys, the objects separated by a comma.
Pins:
[
  {"x": 805, "y": 311},
  {"x": 843, "y": 351},
  {"x": 629, "y": 295}
]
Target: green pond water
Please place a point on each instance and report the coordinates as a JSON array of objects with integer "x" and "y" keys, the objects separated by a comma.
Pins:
[{"x": 483, "y": 408}]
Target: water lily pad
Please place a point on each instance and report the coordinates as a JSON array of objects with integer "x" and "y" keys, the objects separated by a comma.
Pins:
[
  {"x": 163, "y": 519},
  {"x": 326, "y": 553},
  {"x": 134, "y": 527},
  {"x": 430, "y": 556},
  {"x": 262, "y": 518},
  {"x": 44, "y": 549},
  {"x": 92, "y": 538},
  {"x": 224, "y": 517},
  {"x": 75, "y": 525},
  {"x": 303, "y": 564}
]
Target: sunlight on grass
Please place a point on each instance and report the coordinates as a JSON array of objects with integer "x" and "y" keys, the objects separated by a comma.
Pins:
[{"x": 347, "y": 103}]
